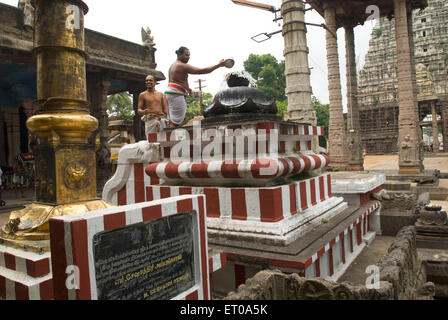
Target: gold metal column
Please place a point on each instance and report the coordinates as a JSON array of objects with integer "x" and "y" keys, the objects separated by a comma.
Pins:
[{"x": 60, "y": 128}]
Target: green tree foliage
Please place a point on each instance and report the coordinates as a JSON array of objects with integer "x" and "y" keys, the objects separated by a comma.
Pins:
[
  {"x": 120, "y": 106},
  {"x": 194, "y": 107},
  {"x": 269, "y": 74},
  {"x": 323, "y": 118}
]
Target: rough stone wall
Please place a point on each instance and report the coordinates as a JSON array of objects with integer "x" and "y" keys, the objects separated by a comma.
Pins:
[
  {"x": 377, "y": 85},
  {"x": 402, "y": 277}
]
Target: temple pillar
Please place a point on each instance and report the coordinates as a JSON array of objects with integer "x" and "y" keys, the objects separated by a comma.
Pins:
[
  {"x": 435, "y": 127},
  {"x": 444, "y": 112},
  {"x": 297, "y": 71},
  {"x": 13, "y": 134},
  {"x": 97, "y": 89},
  {"x": 2, "y": 140},
  {"x": 355, "y": 160},
  {"x": 409, "y": 138},
  {"x": 337, "y": 138}
]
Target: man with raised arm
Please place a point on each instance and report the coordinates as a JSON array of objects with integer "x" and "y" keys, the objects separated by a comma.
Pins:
[{"x": 178, "y": 87}]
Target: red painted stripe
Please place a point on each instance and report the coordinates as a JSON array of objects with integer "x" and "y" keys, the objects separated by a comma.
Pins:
[
  {"x": 172, "y": 170},
  {"x": 154, "y": 180},
  {"x": 223, "y": 259},
  {"x": 308, "y": 145},
  {"x": 351, "y": 240},
  {"x": 329, "y": 185},
  {"x": 292, "y": 198},
  {"x": 330, "y": 261},
  {"x": 313, "y": 191},
  {"x": 358, "y": 234},
  {"x": 229, "y": 169},
  {"x": 298, "y": 265},
  {"x": 342, "y": 242},
  {"x": 298, "y": 146},
  {"x": 317, "y": 267},
  {"x": 114, "y": 220},
  {"x": 320, "y": 252},
  {"x": 238, "y": 200},
  {"x": 296, "y": 130},
  {"x": 199, "y": 170},
  {"x": 303, "y": 196},
  {"x": 368, "y": 223},
  {"x": 2, "y": 287},
  {"x": 151, "y": 170},
  {"x": 81, "y": 258},
  {"x": 185, "y": 190},
  {"x": 322, "y": 188},
  {"x": 10, "y": 261},
  {"x": 149, "y": 194},
  {"x": 192, "y": 296},
  {"x": 22, "y": 292},
  {"x": 212, "y": 202},
  {"x": 306, "y": 130},
  {"x": 271, "y": 208},
  {"x": 139, "y": 183},
  {"x": 317, "y": 161},
  {"x": 46, "y": 290},
  {"x": 282, "y": 147},
  {"x": 121, "y": 196},
  {"x": 307, "y": 162},
  {"x": 204, "y": 247},
  {"x": 165, "y": 192},
  {"x": 38, "y": 268},
  {"x": 166, "y": 152},
  {"x": 322, "y": 131},
  {"x": 240, "y": 275},
  {"x": 184, "y": 205},
  {"x": 152, "y": 137},
  {"x": 315, "y": 130},
  {"x": 152, "y": 212},
  {"x": 58, "y": 258}
]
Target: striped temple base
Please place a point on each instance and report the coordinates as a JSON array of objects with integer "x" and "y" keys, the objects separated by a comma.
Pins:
[
  {"x": 329, "y": 262},
  {"x": 25, "y": 275}
]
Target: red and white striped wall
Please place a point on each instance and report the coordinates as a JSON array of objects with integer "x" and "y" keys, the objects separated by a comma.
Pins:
[
  {"x": 329, "y": 262},
  {"x": 283, "y": 129},
  {"x": 270, "y": 204},
  {"x": 71, "y": 243},
  {"x": 25, "y": 275}
]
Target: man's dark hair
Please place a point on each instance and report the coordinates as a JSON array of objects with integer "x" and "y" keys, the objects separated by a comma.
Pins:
[{"x": 181, "y": 50}]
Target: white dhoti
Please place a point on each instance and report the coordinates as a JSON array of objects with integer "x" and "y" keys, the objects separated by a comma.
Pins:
[
  {"x": 153, "y": 124},
  {"x": 176, "y": 103}
]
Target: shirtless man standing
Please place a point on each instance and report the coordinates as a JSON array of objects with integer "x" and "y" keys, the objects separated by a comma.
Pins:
[
  {"x": 178, "y": 87},
  {"x": 151, "y": 106}
]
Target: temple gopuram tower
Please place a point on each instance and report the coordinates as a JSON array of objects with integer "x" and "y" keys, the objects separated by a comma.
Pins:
[{"x": 378, "y": 82}]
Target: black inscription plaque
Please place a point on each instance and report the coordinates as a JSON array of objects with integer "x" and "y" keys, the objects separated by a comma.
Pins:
[{"x": 145, "y": 261}]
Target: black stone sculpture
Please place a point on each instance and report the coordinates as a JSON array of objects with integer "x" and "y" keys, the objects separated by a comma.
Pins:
[{"x": 239, "y": 102}]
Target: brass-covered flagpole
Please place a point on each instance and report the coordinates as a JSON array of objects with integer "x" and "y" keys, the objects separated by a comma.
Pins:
[{"x": 60, "y": 127}]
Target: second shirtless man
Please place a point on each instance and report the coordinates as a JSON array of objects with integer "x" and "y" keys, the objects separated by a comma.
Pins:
[{"x": 151, "y": 106}]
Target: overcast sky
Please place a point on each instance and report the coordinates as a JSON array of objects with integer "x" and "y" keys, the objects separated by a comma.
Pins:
[{"x": 214, "y": 29}]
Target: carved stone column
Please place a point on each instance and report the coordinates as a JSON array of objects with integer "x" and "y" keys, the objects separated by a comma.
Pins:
[
  {"x": 355, "y": 160},
  {"x": 97, "y": 89},
  {"x": 435, "y": 127},
  {"x": 2, "y": 140},
  {"x": 445, "y": 125},
  {"x": 337, "y": 139},
  {"x": 13, "y": 133},
  {"x": 297, "y": 71},
  {"x": 409, "y": 138}
]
